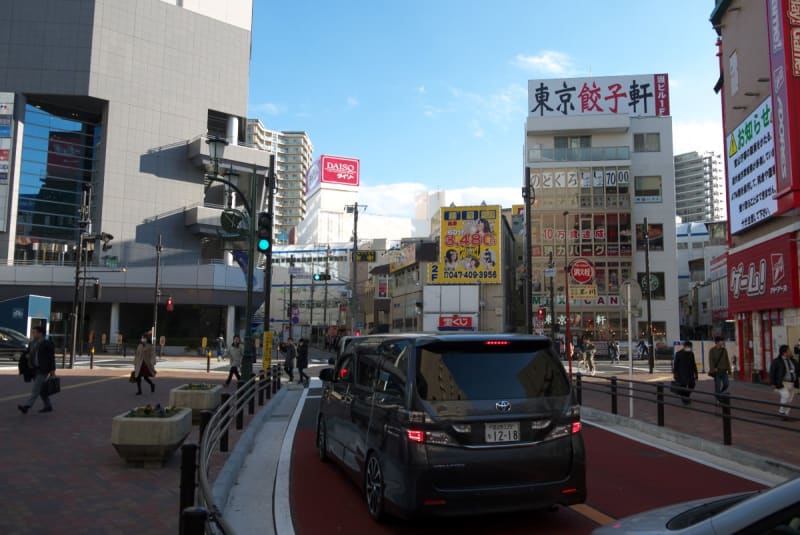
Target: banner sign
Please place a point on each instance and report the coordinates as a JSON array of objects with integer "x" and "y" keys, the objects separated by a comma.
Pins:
[
  {"x": 764, "y": 277},
  {"x": 469, "y": 248},
  {"x": 458, "y": 322}
]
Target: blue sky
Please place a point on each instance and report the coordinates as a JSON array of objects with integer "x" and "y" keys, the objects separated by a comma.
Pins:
[{"x": 433, "y": 94}]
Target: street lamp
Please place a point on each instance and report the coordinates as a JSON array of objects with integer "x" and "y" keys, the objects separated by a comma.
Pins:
[{"x": 216, "y": 146}]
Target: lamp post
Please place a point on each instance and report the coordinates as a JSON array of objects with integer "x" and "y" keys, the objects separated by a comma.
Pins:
[
  {"x": 353, "y": 208},
  {"x": 157, "y": 290},
  {"x": 568, "y": 339},
  {"x": 650, "y": 350},
  {"x": 83, "y": 228},
  {"x": 526, "y": 195}
]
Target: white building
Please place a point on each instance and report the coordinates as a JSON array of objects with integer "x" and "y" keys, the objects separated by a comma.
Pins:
[
  {"x": 699, "y": 187},
  {"x": 599, "y": 150}
]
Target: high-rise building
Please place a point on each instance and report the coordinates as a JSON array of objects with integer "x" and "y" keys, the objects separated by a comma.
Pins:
[
  {"x": 699, "y": 190},
  {"x": 106, "y": 108},
  {"x": 599, "y": 154},
  {"x": 293, "y": 154}
]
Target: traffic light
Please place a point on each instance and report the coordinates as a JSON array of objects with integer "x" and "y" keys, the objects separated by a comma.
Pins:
[
  {"x": 170, "y": 305},
  {"x": 106, "y": 238},
  {"x": 264, "y": 232},
  {"x": 541, "y": 314},
  {"x": 97, "y": 289},
  {"x": 321, "y": 277}
]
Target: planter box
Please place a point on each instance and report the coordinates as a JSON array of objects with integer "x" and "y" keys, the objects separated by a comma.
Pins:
[
  {"x": 197, "y": 400},
  {"x": 150, "y": 441}
]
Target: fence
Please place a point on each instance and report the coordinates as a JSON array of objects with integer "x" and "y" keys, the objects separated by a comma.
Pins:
[{"x": 204, "y": 515}]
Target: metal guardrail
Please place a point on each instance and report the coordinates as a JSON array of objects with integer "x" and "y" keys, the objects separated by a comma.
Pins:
[
  {"x": 731, "y": 408},
  {"x": 203, "y": 515}
]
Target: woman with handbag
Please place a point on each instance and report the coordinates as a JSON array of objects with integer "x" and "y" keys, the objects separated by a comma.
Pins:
[{"x": 144, "y": 365}]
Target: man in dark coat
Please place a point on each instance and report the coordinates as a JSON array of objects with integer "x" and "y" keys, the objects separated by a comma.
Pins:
[
  {"x": 302, "y": 361},
  {"x": 684, "y": 371},
  {"x": 41, "y": 357}
]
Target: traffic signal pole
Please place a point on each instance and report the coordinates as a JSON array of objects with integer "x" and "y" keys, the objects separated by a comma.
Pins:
[{"x": 268, "y": 260}]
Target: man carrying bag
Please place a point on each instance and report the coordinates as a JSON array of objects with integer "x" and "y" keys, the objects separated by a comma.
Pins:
[{"x": 42, "y": 365}]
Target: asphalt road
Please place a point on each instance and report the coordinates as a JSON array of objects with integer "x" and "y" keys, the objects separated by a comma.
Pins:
[{"x": 624, "y": 477}]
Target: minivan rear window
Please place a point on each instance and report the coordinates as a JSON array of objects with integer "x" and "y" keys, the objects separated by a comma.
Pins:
[{"x": 477, "y": 372}]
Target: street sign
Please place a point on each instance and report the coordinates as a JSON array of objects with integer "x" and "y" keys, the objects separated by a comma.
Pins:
[
  {"x": 550, "y": 272},
  {"x": 635, "y": 293},
  {"x": 588, "y": 291},
  {"x": 582, "y": 271},
  {"x": 365, "y": 256},
  {"x": 296, "y": 271}
]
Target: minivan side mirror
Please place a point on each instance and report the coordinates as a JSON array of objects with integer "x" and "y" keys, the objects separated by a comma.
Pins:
[
  {"x": 326, "y": 375},
  {"x": 332, "y": 361}
]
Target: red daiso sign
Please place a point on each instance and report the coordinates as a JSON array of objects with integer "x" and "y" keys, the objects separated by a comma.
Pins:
[
  {"x": 339, "y": 170},
  {"x": 760, "y": 277}
]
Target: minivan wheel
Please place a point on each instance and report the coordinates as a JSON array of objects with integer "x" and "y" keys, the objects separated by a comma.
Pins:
[
  {"x": 374, "y": 487},
  {"x": 322, "y": 441}
]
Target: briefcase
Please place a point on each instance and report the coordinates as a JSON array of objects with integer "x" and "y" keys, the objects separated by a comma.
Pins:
[{"x": 52, "y": 386}]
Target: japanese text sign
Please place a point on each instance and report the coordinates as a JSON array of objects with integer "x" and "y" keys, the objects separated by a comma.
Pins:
[
  {"x": 639, "y": 95},
  {"x": 764, "y": 276},
  {"x": 469, "y": 249}
]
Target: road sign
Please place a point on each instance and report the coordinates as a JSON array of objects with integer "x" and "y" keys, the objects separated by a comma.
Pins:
[
  {"x": 230, "y": 219},
  {"x": 296, "y": 271},
  {"x": 635, "y": 293},
  {"x": 295, "y": 319},
  {"x": 365, "y": 256},
  {"x": 582, "y": 271},
  {"x": 588, "y": 291},
  {"x": 550, "y": 272}
]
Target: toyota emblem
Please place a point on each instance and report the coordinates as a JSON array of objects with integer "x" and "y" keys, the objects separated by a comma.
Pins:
[{"x": 503, "y": 406}]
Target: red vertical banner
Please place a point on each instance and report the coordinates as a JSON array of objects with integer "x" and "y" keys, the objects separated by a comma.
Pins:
[
  {"x": 783, "y": 19},
  {"x": 662, "y": 94}
]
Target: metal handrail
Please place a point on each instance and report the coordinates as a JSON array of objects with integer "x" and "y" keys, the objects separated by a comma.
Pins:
[
  {"x": 659, "y": 393},
  {"x": 214, "y": 430}
]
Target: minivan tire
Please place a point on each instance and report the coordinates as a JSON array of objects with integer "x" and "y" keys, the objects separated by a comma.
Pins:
[
  {"x": 374, "y": 487},
  {"x": 322, "y": 440}
]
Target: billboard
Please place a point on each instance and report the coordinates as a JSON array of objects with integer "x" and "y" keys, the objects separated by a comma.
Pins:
[
  {"x": 645, "y": 95},
  {"x": 750, "y": 153},
  {"x": 469, "y": 249},
  {"x": 783, "y": 21},
  {"x": 764, "y": 276},
  {"x": 403, "y": 257},
  {"x": 339, "y": 170}
]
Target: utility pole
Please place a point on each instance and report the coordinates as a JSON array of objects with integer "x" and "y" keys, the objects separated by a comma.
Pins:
[
  {"x": 249, "y": 348},
  {"x": 568, "y": 339},
  {"x": 354, "y": 276},
  {"x": 650, "y": 350},
  {"x": 551, "y": 266},
  {"x": 83, "y": 224},
  {"x": 327, "y": 272},
  {"x": 157, "y": 290},
  {"x": 290, "y": 311},
  {"x": 528, "y": 298},
  {"x": 268, "y": 260}
]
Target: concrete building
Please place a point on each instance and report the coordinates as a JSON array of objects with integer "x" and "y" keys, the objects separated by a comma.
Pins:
[
  {"x": 293, "y": 153},
  {"x": 104, "y": 113},
  {"x": 599, "y": 152},
  {"x": 699, "y": 187},
  {"x": 759, "y": 86}
]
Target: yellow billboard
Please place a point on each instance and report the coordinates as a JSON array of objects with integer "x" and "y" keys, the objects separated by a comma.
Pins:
[{"x": 469, "y": 247}]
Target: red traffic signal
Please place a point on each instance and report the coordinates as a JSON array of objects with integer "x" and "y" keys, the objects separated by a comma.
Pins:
[
  {"x": 541, "y": 314},
  {"x": 170, "y": 304}
]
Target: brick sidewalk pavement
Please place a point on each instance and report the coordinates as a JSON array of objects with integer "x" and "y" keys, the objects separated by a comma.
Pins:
[
  {"x": 781, "y": 443},
  {"x": 61, "y": 475}
]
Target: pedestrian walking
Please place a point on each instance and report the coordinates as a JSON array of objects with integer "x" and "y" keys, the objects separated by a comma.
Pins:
[
  {"x": 684, "y": 371},
  {"x": 289, "y": 357},
  {"x": 613, "y": 349},
  {"x": 220, "y": 347},
  {"x": 144, "y": 364},
  {"x": 783, "y": 379},
  {"x": 302, "y": 361},
  {"x": 642, "y": 349},
  {"x": 719, "y": 366},
  {"x": 588, "y": 353},
  {"x": 234, "y": 354},
  {"x": 41, "y": 355}
]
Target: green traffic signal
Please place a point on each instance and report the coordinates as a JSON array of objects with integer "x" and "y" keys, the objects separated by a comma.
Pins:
[
  {"x": 263, "y": 245},
  {"x": 317, "y": 277}
]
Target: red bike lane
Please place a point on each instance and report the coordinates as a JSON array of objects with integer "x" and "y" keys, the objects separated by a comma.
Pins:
[{"x": 624, "y": 477}]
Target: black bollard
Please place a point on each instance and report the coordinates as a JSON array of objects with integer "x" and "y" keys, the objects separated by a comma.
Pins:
[
  {"x": 193, "y": 521},
  {"x": 205, "y": 418},
  {"x": 614, "y": 395},
  {"x": 578, "y": 389},
  {"x": 725, "y": 403},
  {"x": 260, "y": 388},
  {"x": 660, "y": 403},
  {"x": 188, "y": 473},
  {"x": 223, "y": 438},
  {"x": 268, "y": 385}
]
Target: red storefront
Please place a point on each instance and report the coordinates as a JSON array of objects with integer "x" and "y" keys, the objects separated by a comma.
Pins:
[{"x": 762, "y": 283}]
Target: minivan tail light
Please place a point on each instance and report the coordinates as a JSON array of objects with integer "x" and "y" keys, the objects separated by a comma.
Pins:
[
  {"x": 576, "y": 427},
  {"x": 496, "y": 343},
  {"x": 415, "y": 435}
]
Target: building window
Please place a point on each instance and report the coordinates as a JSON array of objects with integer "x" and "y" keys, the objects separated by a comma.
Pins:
[
  {"x": 647, "y": 189},
  {"x": 647, "y": 142}
]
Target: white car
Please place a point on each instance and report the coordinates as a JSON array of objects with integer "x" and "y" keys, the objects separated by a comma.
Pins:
[{"x": 766, "y": 512}]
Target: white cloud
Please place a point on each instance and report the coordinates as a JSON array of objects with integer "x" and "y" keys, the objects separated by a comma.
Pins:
[
  {"x": 700, "y": 136},
  {"x": 502, "y": 107},
  {"x": 475, "y": 126},
  {"x": 268, "y": 108},
  {"x": 546, "y": 62},
  {"x": 352, "y": 102},
  {"x": 421, "y": 90}
]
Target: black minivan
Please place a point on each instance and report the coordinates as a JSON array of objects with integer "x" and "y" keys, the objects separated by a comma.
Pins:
[{"x": 454, "y": 424}]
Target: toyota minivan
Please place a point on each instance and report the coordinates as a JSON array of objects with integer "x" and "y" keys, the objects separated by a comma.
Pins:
[{"x": 453, "y": 424}]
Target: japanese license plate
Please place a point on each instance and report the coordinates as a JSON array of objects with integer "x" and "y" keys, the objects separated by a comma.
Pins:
[{"x": 503, "y": 432}]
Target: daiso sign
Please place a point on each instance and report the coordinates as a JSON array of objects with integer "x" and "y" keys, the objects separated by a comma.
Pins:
[{"x": 339, "y": 170}]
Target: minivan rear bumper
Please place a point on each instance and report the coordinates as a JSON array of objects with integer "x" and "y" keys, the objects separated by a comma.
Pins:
[{"x": 426, "y": 495}]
